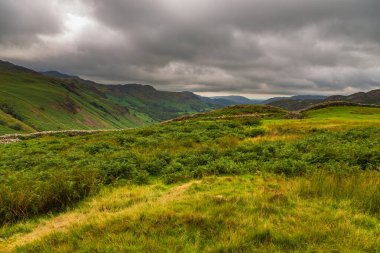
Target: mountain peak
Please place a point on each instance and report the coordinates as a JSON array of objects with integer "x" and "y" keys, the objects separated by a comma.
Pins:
[
  {"x": 5, "y": 65},
  {"x": 57, "y": 74}
]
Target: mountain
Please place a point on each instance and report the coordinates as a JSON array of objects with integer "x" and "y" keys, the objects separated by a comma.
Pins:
[
  {"x": 57, "y": 74},
  {"x": 308, "y": 97},
  {"x": 371, "y": 97},
  {"x": 36, "y": 102},
  {"x": 32, "y": 101},
  {"x": 235, "y": 100},
  {"x": 301, "y": 102},
  {"x": 158, "y": 105},
  {"x": 297, "y": 97},
  {"x": 295, "y": 104}
]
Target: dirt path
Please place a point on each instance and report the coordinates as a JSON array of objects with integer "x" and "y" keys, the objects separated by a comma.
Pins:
[{"x": 66, "y": 221}]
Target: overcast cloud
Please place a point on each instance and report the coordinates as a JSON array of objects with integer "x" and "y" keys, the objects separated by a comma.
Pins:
[{"x": 250, "y": 47}]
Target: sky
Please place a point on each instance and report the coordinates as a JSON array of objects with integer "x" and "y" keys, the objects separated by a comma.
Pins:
[{"x": 255, "y": 48}]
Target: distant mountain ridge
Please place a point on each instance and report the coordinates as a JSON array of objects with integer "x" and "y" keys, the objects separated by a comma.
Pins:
[
  {"x": 236, "y": 100},
  {"x": 298, "y": 103},
  {"x": 371, "y": 97},
  {"x": 295, "y": 104},
  {"x": 297, "y": 97},
  {"x": 57, "y": 74}
]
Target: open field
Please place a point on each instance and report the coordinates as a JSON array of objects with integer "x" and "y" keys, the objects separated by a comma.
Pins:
[{"x": 213, "y": 183}]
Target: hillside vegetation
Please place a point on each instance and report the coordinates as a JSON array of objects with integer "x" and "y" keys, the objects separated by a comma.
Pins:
[
  {"x": 240, "y": 179},
  {"x": 31, "y": 101},
  {"x": 44, "y": 103}
]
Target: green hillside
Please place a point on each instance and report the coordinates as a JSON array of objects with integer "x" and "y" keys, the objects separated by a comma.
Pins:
[
  {"x": 159, "y": 105},
  {"x": 345, "y": 112},
  {"x": 9, "y": 124},
  {"x": 45, "y": 103},
  {"x": 232, "y": 180},
  {"x": 54, "y": 101}
]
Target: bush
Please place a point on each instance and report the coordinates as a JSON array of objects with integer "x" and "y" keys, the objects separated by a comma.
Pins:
[{"x": 255, "y": 132}]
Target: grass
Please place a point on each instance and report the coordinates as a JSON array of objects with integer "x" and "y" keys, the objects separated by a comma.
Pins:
[
  {"x": 345, "y": 112},
  {"x": 261, "y": 213},
  {"x": 361, "y": 189},
  {"x": 335, "y": 118},
  {"x": 9, "y": 124},
  {"x": 207, "y": 184}
]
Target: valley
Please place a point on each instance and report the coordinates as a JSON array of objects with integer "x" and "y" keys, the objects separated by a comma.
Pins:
[{"x": 33, "y": 102}]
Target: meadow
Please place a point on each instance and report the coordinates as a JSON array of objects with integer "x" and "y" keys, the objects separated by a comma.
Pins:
[{"x": 240, "y": 179}]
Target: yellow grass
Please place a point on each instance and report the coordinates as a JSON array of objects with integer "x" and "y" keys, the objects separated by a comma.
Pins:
[{"x": 266, "y": 211}]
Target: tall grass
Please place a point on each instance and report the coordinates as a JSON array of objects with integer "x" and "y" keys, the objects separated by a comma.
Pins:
[
  {"x": 261, "y": 213},
  {"x": 361, "y": 189},
  {"x": 22, "y": 195}
]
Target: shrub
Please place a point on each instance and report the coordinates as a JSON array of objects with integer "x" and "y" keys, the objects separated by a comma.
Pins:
[{"x": 255, "y": 132}]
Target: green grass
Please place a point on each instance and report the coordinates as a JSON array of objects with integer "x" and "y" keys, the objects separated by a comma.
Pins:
[
  {"x": 262, "y": 213},
  {"x": 345, "y": 112},
  {"x": 206, "y": 184}
]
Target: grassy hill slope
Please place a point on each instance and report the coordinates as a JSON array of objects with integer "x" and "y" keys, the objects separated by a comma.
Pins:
[
  {"x": 45, "y": 103},
  {"x": 210, "y": 184},
  {"x": 159, "y": 105},
  {"x": 54, "y": 101},
  {"x": 344, "y": 112},
  {"x": 9, "y": 124}
]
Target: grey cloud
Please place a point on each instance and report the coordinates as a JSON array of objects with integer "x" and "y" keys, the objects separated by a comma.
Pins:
[
  {"x": 241, "y": 46},
  {"x": 21, "y": 21}
]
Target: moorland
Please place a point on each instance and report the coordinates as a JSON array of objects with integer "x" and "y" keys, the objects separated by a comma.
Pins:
[{"x": 252, "y": 178}]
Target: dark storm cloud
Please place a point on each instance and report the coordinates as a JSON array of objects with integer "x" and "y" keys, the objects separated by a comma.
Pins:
[{"x": 240, "y": 46}]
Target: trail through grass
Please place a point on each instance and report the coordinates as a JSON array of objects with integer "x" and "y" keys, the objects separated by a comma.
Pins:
[{"x": 264, "y": 213}]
